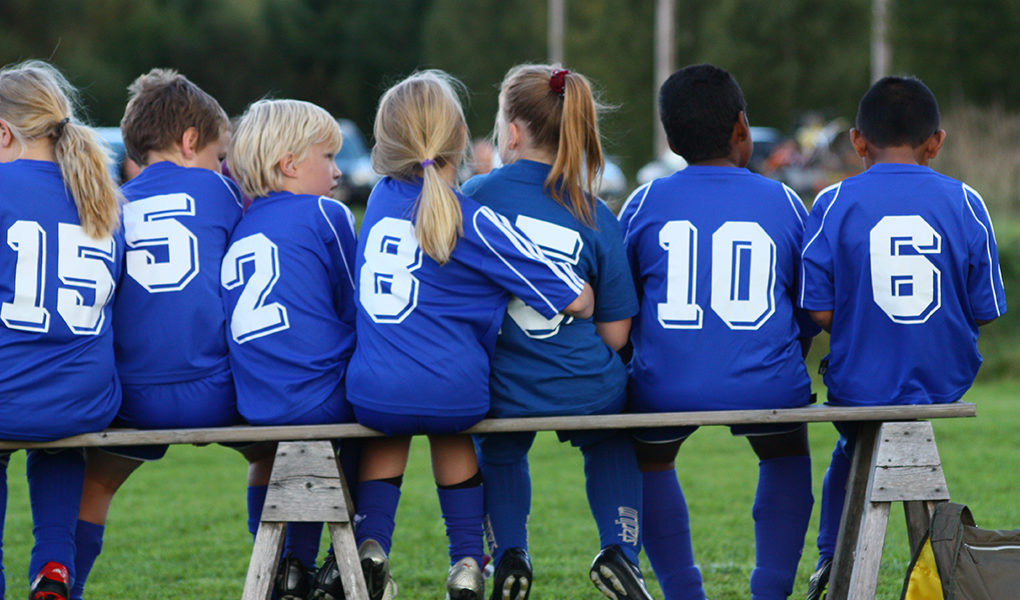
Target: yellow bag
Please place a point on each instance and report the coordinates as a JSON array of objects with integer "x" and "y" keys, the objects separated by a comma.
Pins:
[{"x": 923, "y": 582}]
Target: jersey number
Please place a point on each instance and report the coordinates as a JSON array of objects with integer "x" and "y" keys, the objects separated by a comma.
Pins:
[
  {"x": 80, "y": 266},
  {"x": 149, "y": 223},
  {"x": 557, "y": 243},
  {"x": 743, "y": 270},
  {"x": 387, "y": 288},
  {"x": 905, "y": 284},
  {"x": 253, "y": 317}
]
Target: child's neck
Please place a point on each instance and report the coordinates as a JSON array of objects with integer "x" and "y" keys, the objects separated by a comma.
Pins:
[
  {"x": 171, "y": 156},
  {"x": 905, "y": 154},
  {"x": 723, "y": 161}
]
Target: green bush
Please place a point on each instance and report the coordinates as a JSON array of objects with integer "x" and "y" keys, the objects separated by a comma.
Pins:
[{"x": 998, "y": 340}]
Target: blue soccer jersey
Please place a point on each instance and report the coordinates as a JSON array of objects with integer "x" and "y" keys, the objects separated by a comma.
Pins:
[
  {"x": 905, "y": 258},
  {"x": 560, "y": 365},
  {"x": 56, "y": 288},
  {"x": 715, "y": 253},
  {"x": 169, "y": 321},
  {"x": 426, "y": 332},
  {"x": 289, "y": 292}
]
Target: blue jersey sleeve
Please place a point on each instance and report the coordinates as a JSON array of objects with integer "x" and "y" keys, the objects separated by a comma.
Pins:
[
  {"x": 615, "y": 298},
  {"x": 627, "y": 225},
  {"x": 520, "y": 267},
  {"x": 341, "y": 248},
  {"x": 984, "y": 281},
  {"x": 817, "y": 288}
]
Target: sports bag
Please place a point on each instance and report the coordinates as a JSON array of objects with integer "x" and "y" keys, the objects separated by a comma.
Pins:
[{"x": 958, "y": 561}]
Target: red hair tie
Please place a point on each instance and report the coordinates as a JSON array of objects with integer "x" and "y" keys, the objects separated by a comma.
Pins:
[{"x": 556, "y": 80}]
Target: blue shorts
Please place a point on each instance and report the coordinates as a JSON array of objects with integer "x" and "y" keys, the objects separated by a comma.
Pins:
[
  {"x": 394, "y": 424},
  {"x": 664, "y": 435},
  {"x": 206, "y": 402}
]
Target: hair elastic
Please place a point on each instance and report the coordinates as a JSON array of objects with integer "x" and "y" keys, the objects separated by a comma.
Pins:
[
  {"x": 556, "y": 80},
  {"x": 60, "y": 126},
  {"x": 427, "y": 162}
]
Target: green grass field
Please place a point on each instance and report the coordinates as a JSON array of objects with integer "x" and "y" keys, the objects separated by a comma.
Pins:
[{"x": 177, "y": 529}]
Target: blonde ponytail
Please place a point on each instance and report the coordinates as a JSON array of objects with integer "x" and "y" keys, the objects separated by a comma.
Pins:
[
  {"x": 419, "y": 129},
  {"x": 560, "y": 112},
  {"x": 38, "y": 103}
]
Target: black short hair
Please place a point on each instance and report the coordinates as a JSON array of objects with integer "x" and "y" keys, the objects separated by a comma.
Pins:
[
  {"x": 698, "y": 106},
  {"x": 897, "y": 111}
]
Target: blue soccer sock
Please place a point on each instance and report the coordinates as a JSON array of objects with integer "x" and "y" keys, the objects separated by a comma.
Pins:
[
  {"x": 613, "y": 483},
  {"x": 507, "y": 492},
  {"x": 667, "y": 537},
  {"x": 302, "y": 541},
  {"x": 833, "y": 498},
  {"x": 782, "y": 510},
  {"x": 463, "y": 512},
  {"x": 256, "y": 500},
  {"x": 377, "y": 508},
  {"x": 4, "y": 459},
  {"x": 88, "y": 543},
  {"x": 54, "y": 485}
]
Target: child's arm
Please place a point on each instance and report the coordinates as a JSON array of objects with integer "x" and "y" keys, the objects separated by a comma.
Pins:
[
  {"x": 822, "y": 317},
  {"x": 614, "y": 333},
  {"x": 584, "y": 305}
]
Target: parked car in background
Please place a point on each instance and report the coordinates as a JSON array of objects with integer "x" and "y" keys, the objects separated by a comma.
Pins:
[{"x": 355, "y": 163}]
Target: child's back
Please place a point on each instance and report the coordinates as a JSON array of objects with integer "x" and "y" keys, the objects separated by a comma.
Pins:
[
  {"x": 714, "y": 251},
  {"x": 913, "y": 267}
]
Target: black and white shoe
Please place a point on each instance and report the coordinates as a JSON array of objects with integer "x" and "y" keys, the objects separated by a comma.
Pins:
[
  {"x": 513, "y": 576},
  {"x": 466, "y": 581},
  {"x": 616, "y": 577},
  {"x": 327, "y": 584},
  {"x": 376, "y": 567},
  {"x": 818, "y": 584},
  {"x": 293, "y": 579}
]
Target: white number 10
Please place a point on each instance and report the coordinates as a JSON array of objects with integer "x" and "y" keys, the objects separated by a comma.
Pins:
[{"x": 743, "y": 275}]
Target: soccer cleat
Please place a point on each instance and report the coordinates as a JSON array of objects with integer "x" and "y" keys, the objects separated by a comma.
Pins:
[
  {"x": 465, "y": 581},
  {"x": 819, "y": 582},
  {"x": 616, "y": 577},
  {"x": 327, "y": 584},
  {"x": 293, "y": 579},
  {"x": 512, "y": 579},
  {"x": 52, "y": 583},
  {"x": 376, "y": 567}
]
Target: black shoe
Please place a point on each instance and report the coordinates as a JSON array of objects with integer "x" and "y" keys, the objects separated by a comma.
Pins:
[
  {"x": 327, "y": 584},
  {"x": 512, "y": 579},
  {"x": 293, "y": 579},
  {"x": 52, "y": 583},
  {"x": 376, "y": 567},
  {"x": 818, "y": 584},
  {"x": 617, "y": 577}
]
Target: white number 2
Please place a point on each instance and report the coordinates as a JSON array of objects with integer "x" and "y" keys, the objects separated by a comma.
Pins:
[
  {"x": 387, "y": 289},
  {"x": 81, "y": 265},
  {"x": 150, "y": 223},
  {"x": 743, "y": 275},
  {"x": 557, "y": 243},
  {"x": 253, "y": 317},
  {"x": 905, "y": 284}
]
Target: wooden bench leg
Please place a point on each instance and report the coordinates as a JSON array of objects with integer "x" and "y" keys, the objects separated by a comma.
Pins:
[
  {"x": 306, "y": 485},
  {"x": 902, "y": 465}
]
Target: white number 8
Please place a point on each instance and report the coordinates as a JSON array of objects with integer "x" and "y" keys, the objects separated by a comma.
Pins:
[
  {"x": 905, "y": 284},
  {"x": 387, "y": 289}
]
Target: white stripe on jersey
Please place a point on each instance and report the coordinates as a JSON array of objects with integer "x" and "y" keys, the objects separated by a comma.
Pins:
[
  {"x": 350, "y": 223},
  {"x": 233, "y": 190},
  {"x": 561, "y": 270},
  {"x": 989, "y": 237},
  {"x": 803, "y": 270},
  {"x": 623, "y": 209},
  {"x": 795, "y": 201}
]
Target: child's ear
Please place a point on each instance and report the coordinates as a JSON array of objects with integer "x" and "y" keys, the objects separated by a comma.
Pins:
[
  {"x": 287, "y": 165},
  {"x": 860, "y": 144},
  {"x": 934, "y": 143},
  {"x": 189, "y": 143},
  {"x": 6, "y": 136},
  {"x": 741, "y": 129}
]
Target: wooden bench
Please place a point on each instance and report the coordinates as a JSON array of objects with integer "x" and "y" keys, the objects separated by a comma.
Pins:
[{"x": 895, "y": 459}]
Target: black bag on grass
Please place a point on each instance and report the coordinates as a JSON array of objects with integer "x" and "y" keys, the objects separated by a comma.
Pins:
[{"x": 958, "y": 561}]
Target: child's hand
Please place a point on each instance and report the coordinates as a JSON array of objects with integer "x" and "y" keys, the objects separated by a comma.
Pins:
[{"x": 584, "y": 306}]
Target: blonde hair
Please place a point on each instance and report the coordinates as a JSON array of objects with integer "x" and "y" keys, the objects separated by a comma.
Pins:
[
  {"x": 163, "y": 105},
  {"x": 37, "y": 102},
  {"x": 420, "y": 128},
  {"x": 563, "y": 121},
  {"x": 268, "y": 131}
]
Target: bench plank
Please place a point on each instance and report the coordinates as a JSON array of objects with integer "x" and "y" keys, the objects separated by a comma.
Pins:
[{"x": 249, "y": 433}]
